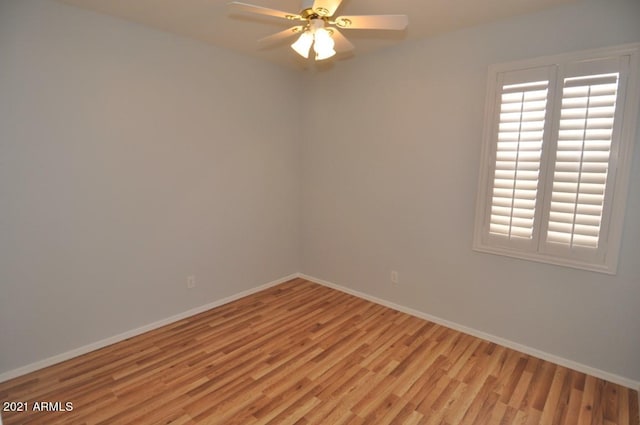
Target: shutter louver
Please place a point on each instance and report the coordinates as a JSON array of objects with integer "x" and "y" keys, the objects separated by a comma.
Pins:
[
  {"x": 582, "y": 160},
  {"x": 518, "y": 154}
]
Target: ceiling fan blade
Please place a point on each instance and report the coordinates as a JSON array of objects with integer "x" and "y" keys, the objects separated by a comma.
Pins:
[
  {"x": 342, "y": 44},
  {"x": 326, "y": 7},
  {"x": 373, "y": 22},
  {"x": 244, "y": 7},
  {"x": 289, "y": 32}
]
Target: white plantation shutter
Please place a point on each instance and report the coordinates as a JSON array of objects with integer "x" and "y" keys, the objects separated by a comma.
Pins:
[
  {"x": 556, "y": 157},
  {"x": 582, "y": 160},
  {"x": 518, "y": 154}
]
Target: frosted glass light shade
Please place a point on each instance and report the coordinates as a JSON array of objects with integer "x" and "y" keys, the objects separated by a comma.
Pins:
[
  {"x": 303, "y": 44},
  {"x": 324, "y": 44}
]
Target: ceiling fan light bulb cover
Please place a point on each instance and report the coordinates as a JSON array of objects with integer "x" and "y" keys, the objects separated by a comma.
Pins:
[
  {"x": 302, "y": 46},
  {"x": 325, "y": 54},
  {"x": 324, "y": 44}
]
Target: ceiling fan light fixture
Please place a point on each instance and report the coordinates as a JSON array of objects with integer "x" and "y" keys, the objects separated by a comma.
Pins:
[
  {"x": 318, "y": 28},
  {"x": 302, "y": 46},
  {"x": 324, "y": 44}
]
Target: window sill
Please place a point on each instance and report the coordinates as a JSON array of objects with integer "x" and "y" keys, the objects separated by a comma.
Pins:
[{"x": 547, "y": 259}]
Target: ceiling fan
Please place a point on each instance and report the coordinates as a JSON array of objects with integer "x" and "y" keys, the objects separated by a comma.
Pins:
[{"x": 317, "y": 26}]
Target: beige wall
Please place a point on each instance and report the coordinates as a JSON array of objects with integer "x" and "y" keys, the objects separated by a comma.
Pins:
[
  {"x": 129, "y": 160},
  {"x": 391, "y": 184}
]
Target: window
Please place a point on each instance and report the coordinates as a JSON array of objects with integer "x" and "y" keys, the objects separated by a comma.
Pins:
[{"x": 556, "y": 157}]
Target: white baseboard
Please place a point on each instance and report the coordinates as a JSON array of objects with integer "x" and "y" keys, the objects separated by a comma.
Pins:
[
  {"x": 626, "y": 382},
  {"x": 616, "y": 379},
  {"x": 121, "y": 337}
]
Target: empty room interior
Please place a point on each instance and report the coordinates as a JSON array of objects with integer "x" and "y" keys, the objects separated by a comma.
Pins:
[{"x": 199, "y": 228}]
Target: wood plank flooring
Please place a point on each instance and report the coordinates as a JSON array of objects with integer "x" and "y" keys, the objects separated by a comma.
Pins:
[{"x": 300, "y": 353}]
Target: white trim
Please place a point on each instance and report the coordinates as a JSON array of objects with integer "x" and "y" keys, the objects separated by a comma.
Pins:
[
  {"x": 125, "y": 335},
  {"x": 576, "y": 56},
  {"x": 544, "y": 258},
  {"x": 611, "y": 377},
  {"x": 605, "y": 258}
]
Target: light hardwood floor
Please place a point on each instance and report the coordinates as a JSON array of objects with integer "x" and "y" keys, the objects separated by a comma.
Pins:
[{"x": 300, "y": 353}]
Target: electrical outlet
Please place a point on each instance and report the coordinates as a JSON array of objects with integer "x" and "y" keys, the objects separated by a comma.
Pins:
[
  {"x": 191, "y": 282},
  {"x": 395, "y": 279}
]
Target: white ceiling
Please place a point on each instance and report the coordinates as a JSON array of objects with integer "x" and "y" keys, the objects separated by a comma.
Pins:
[{"x": 212, "y": 22}]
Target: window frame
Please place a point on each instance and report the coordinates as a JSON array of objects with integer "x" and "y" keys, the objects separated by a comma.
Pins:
[{"x": 611, "y": 226}]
